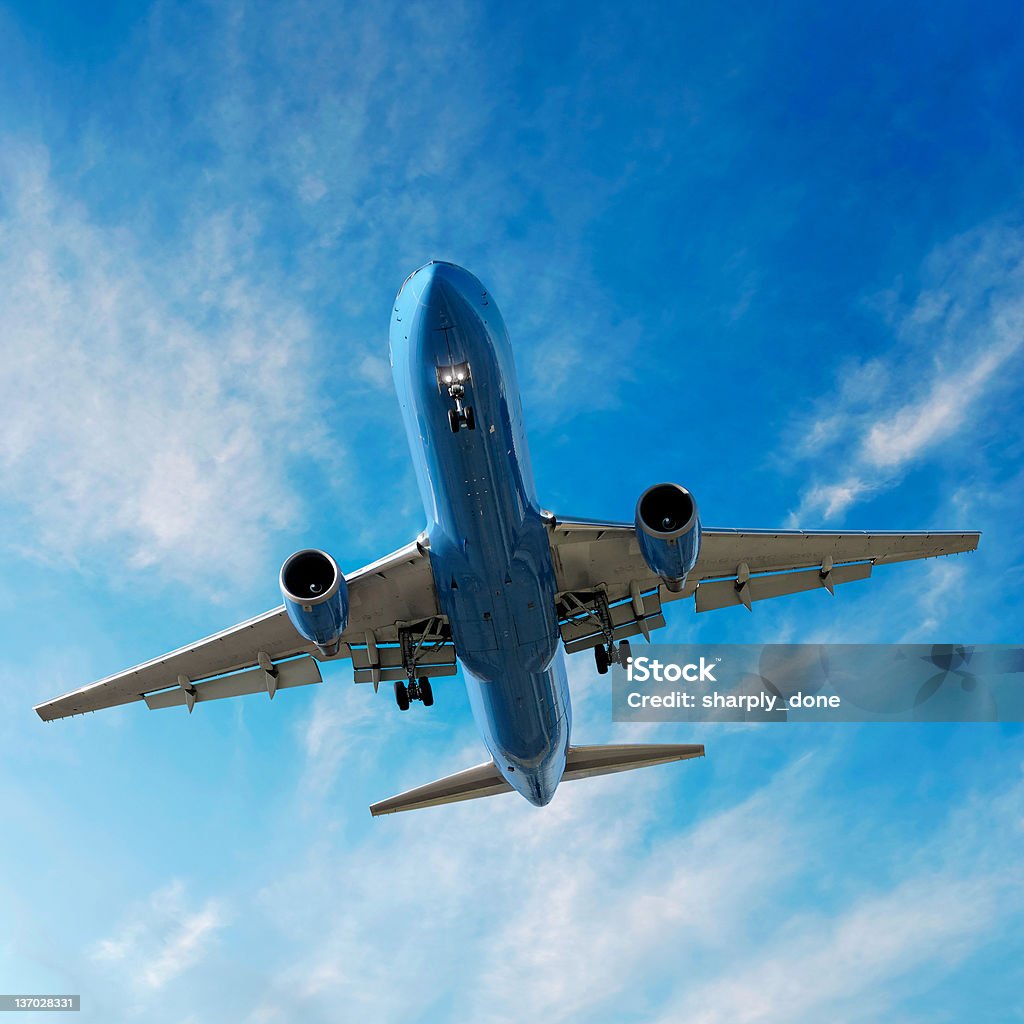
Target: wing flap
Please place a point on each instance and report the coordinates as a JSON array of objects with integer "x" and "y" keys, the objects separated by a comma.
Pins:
[
  {"x": 433, "y": 653},
  {"x": 298, "y": 672},
  {"x": 726, "y": 593},
  {"x": 581, "y": 631}
]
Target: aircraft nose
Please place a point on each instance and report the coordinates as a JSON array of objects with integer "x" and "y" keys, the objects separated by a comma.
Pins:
[
  {"x": 435, "y": 270},
  {"x": 434, "y": 284},
  {"x": 439, "y": 282}
]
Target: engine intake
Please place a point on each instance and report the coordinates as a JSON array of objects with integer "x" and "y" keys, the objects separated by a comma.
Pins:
[
  {"x": 316, "y": 598},
  {"x": 668, "y": 529}
]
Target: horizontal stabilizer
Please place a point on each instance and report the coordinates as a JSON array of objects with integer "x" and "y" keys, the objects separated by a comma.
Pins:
[
  {"x": 584, "y": 762},
  {"x": 581, "y": 763}
]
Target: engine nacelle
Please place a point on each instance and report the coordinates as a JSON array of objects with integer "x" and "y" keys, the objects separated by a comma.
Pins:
[
  {"x": 316, "y": 598},
  {"x": 668, "y": 529}
]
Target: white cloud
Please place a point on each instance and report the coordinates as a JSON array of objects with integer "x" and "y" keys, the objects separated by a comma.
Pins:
[
  {"x": 344, "y": 716},
  {"x": 754, "y": 913},
  {"x": 936, "y": 595},
  {"x": 833, "y": 499},
  {"x": 954, "y": 891},
  {"x": 839, "y": 969},
  {"x": 912, "y": 429},
  {"x": 957, "y": 350},
  {"x": 155, "y": 406},
  {"x": 170, "y": 376},
  {"x": 162, "y": 938}
]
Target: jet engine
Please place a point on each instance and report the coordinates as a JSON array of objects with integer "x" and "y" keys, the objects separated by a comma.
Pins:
[
  {"x": 316, "y": 598},
  {"x": 668, "y": 529}
]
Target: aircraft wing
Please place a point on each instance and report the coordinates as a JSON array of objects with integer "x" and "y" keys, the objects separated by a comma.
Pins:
[
  {"x": 597, "y": 560},
  {"x": 265, "y": 654}
]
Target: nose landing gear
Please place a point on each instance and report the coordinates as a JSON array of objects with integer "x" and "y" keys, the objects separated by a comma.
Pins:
[
  {"x": 451, "y": 380},
  {"x": 461, "y": 415}
]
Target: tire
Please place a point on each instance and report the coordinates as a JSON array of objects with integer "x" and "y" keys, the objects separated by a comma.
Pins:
[
  {"x": 470, "y": 418},
  {"x": 453, "y": 420},
  {"x": 401, "y": 695},
  {"x": 426, "y": 693},
  {"x": 601, "y": 657},
  {"x": 625, "y": 652}
]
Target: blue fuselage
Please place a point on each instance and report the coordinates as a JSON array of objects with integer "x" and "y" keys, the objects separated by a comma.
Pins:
[{"x": 488, "y": 542}]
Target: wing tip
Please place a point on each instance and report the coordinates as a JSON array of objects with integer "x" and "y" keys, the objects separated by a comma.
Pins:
[{"x": 45, "y": 711}]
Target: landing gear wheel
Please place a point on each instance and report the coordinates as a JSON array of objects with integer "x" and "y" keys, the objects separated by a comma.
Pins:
[
  {"x": 470, "y": 418},
  {"x": 426, "y": 693},
  {"x": 453, "y": 420},
  {"x": 601, "y": 657},
  {"x": 401, "y": 695},
  {"x": 625, "y": 652}
]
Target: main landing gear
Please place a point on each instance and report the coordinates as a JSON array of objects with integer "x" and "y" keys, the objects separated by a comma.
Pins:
[
  {"x": 417, "y": 688},
  {"x": 413, "y": 690},
  {"x": 607, "y": 653}
]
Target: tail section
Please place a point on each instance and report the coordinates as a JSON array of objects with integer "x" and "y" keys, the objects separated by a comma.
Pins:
[{"x": 581, "y": 763}]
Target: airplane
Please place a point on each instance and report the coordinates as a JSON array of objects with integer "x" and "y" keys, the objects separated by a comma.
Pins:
[{"x": 495, "y": 581}]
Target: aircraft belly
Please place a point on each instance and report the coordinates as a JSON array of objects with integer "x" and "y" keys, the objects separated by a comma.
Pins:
[{"x": 489, "y": 547}]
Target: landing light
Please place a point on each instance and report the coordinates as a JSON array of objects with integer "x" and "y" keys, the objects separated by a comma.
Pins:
[{"x": 452, "y": 374}]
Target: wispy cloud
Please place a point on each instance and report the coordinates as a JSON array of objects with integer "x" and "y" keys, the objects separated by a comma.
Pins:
[
  {"x": 956, "y": 350},
  {"x": 172, "y": 375},
  {"x": 727, "y": 910},
  {"x": 843, "y": 967},
  {"x": 840, "y": 969},
  {"x": 163, "y": 938},
  {"x": 344, "y": 718},
  {"x": 154, "y": 406}
]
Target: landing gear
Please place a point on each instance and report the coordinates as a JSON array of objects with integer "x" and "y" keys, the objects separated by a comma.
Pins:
[
  {"x": 451, "y": 380},
  {"x": 461, "y": 415},
  {"x": 417, "y": 688},
  {"x": 608, "y": 652}
]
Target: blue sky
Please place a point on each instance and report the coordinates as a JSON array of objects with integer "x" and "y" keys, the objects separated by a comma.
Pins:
[{"x": 774, "y": 254}]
